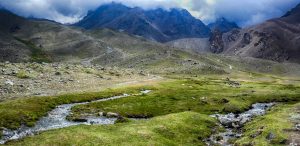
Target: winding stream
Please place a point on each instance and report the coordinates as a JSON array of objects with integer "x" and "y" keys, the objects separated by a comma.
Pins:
[
  {"x": 234, "y": 122},
  {"x": 57, "y": 119}
]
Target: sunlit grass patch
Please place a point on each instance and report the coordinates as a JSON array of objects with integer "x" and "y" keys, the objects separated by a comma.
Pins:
[{"x": 269, "y": 129}]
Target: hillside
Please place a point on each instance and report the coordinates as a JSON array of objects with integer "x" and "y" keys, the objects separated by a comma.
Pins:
[
  {"x": 199, "y": 45},
  {"x": 46, "y": 41},
  {"x": 276, "y": 39},
  {"x": 43, "y": 41}
]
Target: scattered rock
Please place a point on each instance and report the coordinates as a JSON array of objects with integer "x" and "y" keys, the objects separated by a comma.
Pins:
[
  {"x": 232, "y": 83},
  {"x": 271, "y": 136},
  {"x": 142, "y": 73},
  {"x": 71, "y": 80},
  {"x": 58, "y": 73},
  {"x": 297, "y": 127},
  {"x": 9, "y": 82},
  {"x": 80, "y": 120},
  {"x": 121, "y": 119},
  {"x": 232, "y": 120},
  {"x": 37, "y": 94},
  {"x": 112, "y": 115},
  {"x": 219, "y": 138},
  {"x": 257, "y": 133},
  {"x": 203, "y": 100},
  {"x": 101, "y": 114},
  {"x": 224, "y": 100}
]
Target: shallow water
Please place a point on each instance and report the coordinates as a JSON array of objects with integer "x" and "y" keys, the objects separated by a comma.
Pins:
[
  {"x": 57, "y": 119},
  {"x": 233, "y": 123}
]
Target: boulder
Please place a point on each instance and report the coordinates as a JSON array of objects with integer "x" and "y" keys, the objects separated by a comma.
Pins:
[
  {"x": 9, "y": 82},
  {"x": 297, "y": 127},
  {"x": 271, "y": 136},
  {"x": 112, "y": 115},
  {"x": 80, "y": 120}
]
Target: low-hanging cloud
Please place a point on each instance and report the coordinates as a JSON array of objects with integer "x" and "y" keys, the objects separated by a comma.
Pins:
[{"x": 244, "y": 12}]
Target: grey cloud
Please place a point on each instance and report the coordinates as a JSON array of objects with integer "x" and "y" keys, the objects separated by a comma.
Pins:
[{"x": 244, "y": 12}]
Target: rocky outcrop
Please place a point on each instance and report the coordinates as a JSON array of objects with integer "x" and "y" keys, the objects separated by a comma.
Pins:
[{"x": 216, "y": 42}]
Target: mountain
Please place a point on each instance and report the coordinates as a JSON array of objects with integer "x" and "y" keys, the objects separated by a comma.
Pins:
[
  {"x": 10, "y": 48},
  {"x": 158, "y": 24},
  {"x": 27, "y": 40},
  {"x": 223, "y": 25},
  {"x": 23, "y": 40},
  {"x": 276, "y": 39}
]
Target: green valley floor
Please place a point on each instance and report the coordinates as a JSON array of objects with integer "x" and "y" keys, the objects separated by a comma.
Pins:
[{"x": 176, "y": 112}]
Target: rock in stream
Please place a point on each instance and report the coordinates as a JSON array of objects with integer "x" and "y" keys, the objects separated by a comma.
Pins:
[{"x": 234, "y": 122}]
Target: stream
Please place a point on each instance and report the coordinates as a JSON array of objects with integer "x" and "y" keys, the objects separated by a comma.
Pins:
[
  {"x": 57, "y": 119},
  {"x": 234, "y": 122}
]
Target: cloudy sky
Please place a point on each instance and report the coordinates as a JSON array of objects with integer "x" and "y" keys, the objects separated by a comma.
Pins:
[{"x": 244, "y": 12}]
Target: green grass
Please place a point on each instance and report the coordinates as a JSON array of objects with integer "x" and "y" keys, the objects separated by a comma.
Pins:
[
  {"x": 187, "y": 128},
  {"x": 203, "y": 96},
  {"x": 276, "y": 122},
  {"x": 37, "y": 54},
  {"x": 22, "y": 75},
  {"x": 27, "y": 111}
]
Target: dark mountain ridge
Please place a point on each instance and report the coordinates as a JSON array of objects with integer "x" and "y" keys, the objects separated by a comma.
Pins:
[
  {"x": 223, "y": 25},
  {"x": 157, "y": 24}
]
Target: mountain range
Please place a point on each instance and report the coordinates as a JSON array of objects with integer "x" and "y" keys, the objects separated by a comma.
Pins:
[
  {"x": 115, "y": 34},
  {"x": 157, "y": 24}
]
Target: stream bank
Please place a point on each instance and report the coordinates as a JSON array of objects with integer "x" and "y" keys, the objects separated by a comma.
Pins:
[
  {"x": 234, "y": 122},
  {"x": 57, "y": 118}
]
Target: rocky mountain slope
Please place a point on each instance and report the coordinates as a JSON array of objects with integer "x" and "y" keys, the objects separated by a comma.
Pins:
[
  {"x": 199, "y": 45},
  {"x": 211, "y": 44},
  {"x": 158, "y": 24},
  {"x": 276, "y": 39},
  {"x": 11, "y": 49},
  {"x": 43, "y": 41},
  {"x": 223, "y": 25}
]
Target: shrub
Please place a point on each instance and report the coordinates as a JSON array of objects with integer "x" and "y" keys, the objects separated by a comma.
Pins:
[{"x": 22, "y": 74}]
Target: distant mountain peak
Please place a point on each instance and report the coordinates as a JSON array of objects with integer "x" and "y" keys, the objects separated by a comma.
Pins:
[
  {"x": 159, "y": 24},
  {"x": 223, "y": 25}
]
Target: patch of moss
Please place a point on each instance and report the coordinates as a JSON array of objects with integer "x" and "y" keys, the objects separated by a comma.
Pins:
[
  {"x": 22, "y": 75},
  {"x": 203, "y": 96}
]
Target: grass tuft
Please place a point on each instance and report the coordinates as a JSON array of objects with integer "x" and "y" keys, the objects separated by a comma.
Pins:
[{"x": 22, "y": 75}]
